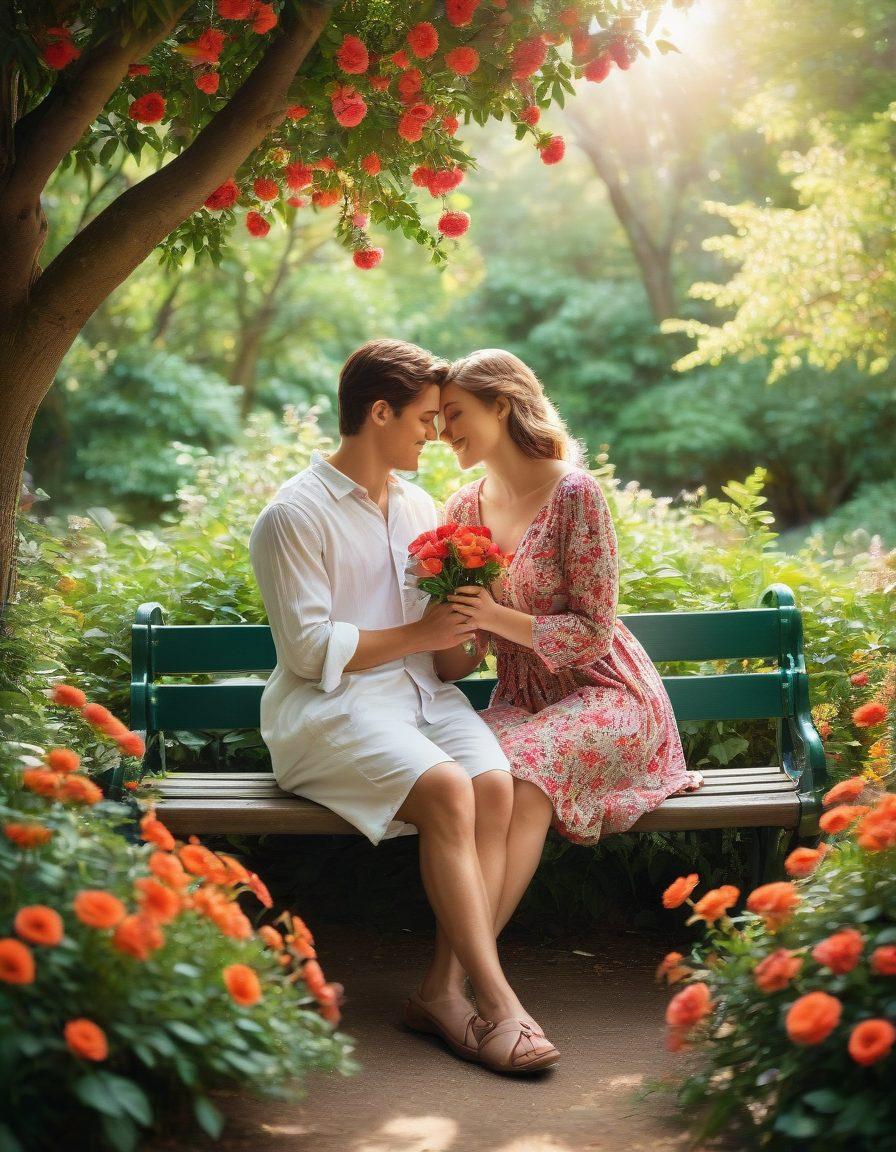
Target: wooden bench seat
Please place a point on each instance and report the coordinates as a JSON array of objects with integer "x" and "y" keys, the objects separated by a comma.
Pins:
[{"x": 781, "y": 801}]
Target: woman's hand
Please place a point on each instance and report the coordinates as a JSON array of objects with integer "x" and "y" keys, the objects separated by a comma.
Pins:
[{"x": 478, "y": 606}]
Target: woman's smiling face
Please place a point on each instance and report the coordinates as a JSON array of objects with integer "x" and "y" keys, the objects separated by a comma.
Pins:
[{"x": 471, "y": 427}]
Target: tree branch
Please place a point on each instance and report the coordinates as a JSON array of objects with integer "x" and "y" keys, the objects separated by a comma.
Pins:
[
  {"x": 46, "y": 134},
  {"x": 98, "y": 259}
]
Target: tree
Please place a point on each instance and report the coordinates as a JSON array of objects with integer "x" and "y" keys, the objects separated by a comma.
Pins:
[{"x": 247, "y": 95}]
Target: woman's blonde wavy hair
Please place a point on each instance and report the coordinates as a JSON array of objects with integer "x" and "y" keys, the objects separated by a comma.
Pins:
[{"x": 534, "y": 424}]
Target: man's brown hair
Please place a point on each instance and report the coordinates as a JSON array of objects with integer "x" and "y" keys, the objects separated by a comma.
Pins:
[{"x": 390, "y": 370}]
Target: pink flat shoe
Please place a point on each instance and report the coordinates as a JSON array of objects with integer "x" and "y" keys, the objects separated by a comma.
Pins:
[
  {"x": 516, "y": 1046},
  {"x": 448, "y": 1017}
]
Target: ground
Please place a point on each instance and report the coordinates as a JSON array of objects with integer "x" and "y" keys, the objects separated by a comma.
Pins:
[{"x": 603, "y": 1011}]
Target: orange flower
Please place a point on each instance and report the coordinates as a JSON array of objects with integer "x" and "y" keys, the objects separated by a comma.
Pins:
[
  {"x": 271, "y": 937},
  {"x": 774, "y": 902},
  {"x": 69, "y": 696},
  {"x": 98, "y": 909},
  {"x": 79, "y": 790},
  {"x": 840, "y": 951},
  {"x": 313, "y": 975},
  {"x": 86, "y": 1039},
  {"x": 672, "y": 969},
  {"x": 838, "y": 819},
  {"x": 156, "y": 901},
  {"x": 242, "y": 984},
  {"x": 689, "y": 1006},
  {"x": 846, "y": 790},
  {"x": 39, "y": 924},
  {"x": 27, "y": 835},
  {"x": 679, "y": 890},
  {"x": 304, "y": 948},
  {"x": 196, "y": 858},
  {"x": 16, "y": 962},
  {"x": 131, "y": 743},
  {"x": 232, "y": 921},
  {"x": 169, "y": 869},
  {"x": 236, "y": 873},
  {"x": 300, "y": 928},
  {"x": 803, "y": 861},
  {"x": 259, "y": 890},
  {"x": 813, "y": 1017},
  {"x": 116, "y": 729},
  {"x": 62, "y": 760},
  {"x": 98, "y": 716},
  {"x": 871, "y": 1040},
  {"x": 138, "y": 936},
  {"x": 155, "y": 831},
  {"x": 42, "y": 781},
  {"x": 883, "y": 960},
  {"x": 777, "y": 970},
  {"x": 716, "y": 903},
  {"x": 870, "y": 715},
  {"x": 876, "y": 830}
]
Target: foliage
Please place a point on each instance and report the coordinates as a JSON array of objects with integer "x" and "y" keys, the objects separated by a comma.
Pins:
[
  {"x": 151, "y": 978},
  {"x": 126, "y": 414},
  {"x": 776, "y": 999}
]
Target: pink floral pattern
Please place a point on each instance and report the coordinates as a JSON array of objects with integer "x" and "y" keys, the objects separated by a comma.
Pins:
[{"x": 584, "y": 715}]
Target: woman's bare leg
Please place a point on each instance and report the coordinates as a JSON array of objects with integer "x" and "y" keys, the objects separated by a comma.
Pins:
[
  {"x": 493, "y": 793},
  {"x": 442, "y": 806}
]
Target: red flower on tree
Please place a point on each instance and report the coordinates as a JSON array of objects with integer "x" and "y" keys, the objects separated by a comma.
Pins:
[
  {"x": 460, "y": 12},
  {"x": 264, "y": 18},
  {"x": 61, "y": 51},
  {"x": 371, "y": 164},
  {"x": 367, "y": 258},
  {"x": 462, "y": 61},
  {"x": 208, "y": 83},
  {"x": 352, "y": 56},
  {"x": 257, "y": 224},
  {"x": 224, "y": 196},
  {"x": 148, "y": 109},
  {"x": 553, "y": 151},
  {"x": 348, "y": 106},
  {"x": 266, "y": 189},
  {"x": 528, "y": 57},
  {"x": 423, "y": 40}
]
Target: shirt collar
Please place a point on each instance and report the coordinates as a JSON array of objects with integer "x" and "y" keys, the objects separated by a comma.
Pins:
[{"x": 338, "y": 484}]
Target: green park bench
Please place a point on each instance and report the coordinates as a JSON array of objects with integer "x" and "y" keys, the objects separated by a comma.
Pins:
[{"x": 780, "y": 801}]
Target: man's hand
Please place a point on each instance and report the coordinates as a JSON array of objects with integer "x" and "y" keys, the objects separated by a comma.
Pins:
[
  {"x": 442, "y": 626},
  {"x": 477, "y": 606}
]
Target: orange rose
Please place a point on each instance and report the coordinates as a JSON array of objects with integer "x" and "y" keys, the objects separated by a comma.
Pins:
[
  {"x": 236, "y": 873},
  {"x": 138, "y": 936},
  {"x": 841, "y": 951},
  {"x": 155, "y": 831},
  {"x": 870, "y": 715},
  {"x": 777, "y": 970},
  {"x": 99, "y": 909},
  {"x": 716, "y": 903},
  {"x": 803, "y": 861},
  {"x": 16, "y": 962},
  {"x": 98, "y": 716},
  {"x": 42, "y": 781},
  {"x": 259, "y": 890},
  {"x": 883, "y": 960},
  {"x": 199, "y": 860},
  {"x": 876, "y": 831},
  {"x": 303, "y": 948},
  {"x": 300, "y": 928},
  {"x": 689, "y": 1006},
  {"x": 871, "y": 1040},
  {"x": 672, "y": 969},
  {"x": 156, "y": 900},
  {"x": 846, "y": 790},
  {"x": 86, "y": 1039},
  {"x": 39, "y": 924},
  {"x": 242, "y": 984},
  {"x": 839, "y": 819},
  {"x": 774, "y": 902},
  {"x": 27, "y": 835},
  {"x": 679, "y": 890},
  {"x": 69, "y": 696},
  {"x": 813, "y": 1017}
]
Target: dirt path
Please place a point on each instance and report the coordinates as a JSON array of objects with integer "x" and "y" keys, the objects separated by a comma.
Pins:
[{"x": 604, "y": 1012}]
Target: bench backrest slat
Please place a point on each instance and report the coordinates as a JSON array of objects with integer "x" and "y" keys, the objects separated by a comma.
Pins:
[
  {"x": 739, "y": 634},
  {"x": 218, "y": 707}
]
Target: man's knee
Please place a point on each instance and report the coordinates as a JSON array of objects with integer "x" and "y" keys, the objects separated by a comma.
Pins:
[{"x": 442, "y": 797}]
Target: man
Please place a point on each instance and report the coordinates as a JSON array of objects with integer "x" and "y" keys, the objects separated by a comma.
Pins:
[{"x": 354, "y": 715}]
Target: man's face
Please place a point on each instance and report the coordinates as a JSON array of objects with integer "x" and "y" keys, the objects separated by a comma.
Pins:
[{"x": 405, "y": 435}]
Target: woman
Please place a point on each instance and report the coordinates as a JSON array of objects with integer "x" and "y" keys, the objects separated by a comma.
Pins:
[{"x": 579, "y": 708}]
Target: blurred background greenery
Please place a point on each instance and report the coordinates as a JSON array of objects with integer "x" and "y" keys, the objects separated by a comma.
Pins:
[{"x": 777, "y": 110}]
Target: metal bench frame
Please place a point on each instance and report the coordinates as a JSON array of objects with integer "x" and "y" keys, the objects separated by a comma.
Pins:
[{"x": 782, "y": 802}]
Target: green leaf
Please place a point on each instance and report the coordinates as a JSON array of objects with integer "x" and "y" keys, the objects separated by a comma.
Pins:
[
  {"x": 824, "y": 1100},
  {"x": 93, "y": 1091},
  {"x": 664, "y": 47},
  {"x": 210, "y": 1119},
  {"x": 186, "y": 1032},
  {"x": 121, "y": 1133}
]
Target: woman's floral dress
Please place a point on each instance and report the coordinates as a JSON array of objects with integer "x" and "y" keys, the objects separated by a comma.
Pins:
[{"x": 584, "y": 715}]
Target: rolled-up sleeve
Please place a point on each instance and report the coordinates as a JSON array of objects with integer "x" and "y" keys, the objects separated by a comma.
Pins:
[
  {"x": 584, "y": 633},
  {"x": 287, "y": 558}
]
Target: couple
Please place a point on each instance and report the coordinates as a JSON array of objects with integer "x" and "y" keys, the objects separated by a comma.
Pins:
[{"x": 360, "y": 714}]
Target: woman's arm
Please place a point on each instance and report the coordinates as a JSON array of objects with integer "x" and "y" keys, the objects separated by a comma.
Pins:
[{"x": 455, "y": 663}]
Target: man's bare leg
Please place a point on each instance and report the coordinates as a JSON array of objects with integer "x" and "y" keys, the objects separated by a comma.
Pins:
[{"x": 442, "y": 806}]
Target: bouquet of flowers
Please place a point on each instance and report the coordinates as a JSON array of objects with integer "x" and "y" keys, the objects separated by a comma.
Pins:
[{"x": 451, "y": 556}]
